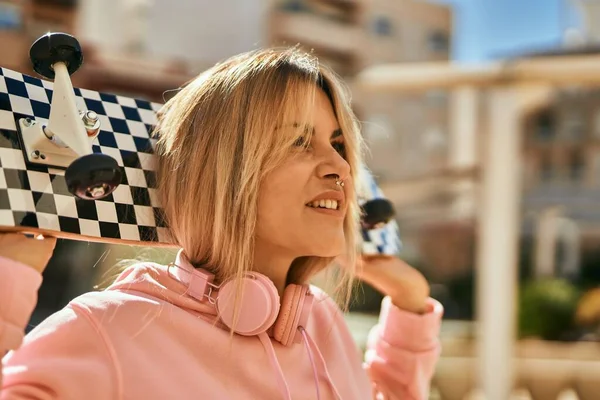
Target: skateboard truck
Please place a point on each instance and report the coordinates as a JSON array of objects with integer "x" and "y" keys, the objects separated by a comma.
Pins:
[{"x": 66, "y": 141}]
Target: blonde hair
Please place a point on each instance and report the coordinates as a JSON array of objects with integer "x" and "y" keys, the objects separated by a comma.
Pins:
[{"x": 219, "y": 137}]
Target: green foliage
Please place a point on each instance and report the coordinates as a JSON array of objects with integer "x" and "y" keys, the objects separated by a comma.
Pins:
[{"x": 547, "y": 308}]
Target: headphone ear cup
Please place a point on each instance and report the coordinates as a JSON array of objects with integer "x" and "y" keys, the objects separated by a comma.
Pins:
[
  {"x": 258, "y": 305},
  {"x": 295, "y": 309},
  {"x": 274, "y": 296}
]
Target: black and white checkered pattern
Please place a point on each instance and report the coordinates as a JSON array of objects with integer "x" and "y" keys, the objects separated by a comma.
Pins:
[{"x": 36, "y": 196}]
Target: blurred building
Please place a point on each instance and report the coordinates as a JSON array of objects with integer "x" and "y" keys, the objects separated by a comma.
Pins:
[
  {"x": 587, "y": 31},
  {"x": 561, "y": 164},
  {"x": 352, "y": 35},
  {"x": 562, "y": 177},
  {"x": 120, "y": 66},
  {"x": 560, "y": 205}
]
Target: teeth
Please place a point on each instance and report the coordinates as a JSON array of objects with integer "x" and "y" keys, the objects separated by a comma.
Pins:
[{"x": 330, "y": 204}]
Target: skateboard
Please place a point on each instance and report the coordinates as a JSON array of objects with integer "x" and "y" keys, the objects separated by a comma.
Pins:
[{"x": 78, "y": 164}]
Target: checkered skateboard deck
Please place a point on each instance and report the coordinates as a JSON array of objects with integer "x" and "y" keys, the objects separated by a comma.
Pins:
[{"x": 34, "y": 197}]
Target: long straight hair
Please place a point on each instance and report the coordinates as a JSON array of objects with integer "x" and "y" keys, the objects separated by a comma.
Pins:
[{"x": 218, "y": 138}]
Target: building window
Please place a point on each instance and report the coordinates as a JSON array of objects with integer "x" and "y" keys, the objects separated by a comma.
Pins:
[
  {"x": 574, "y": 126},
  {"x": 545, "y": 127},
  {"x": 435, "y": 144},
  {"x": 62, "y": 3},
  {"x": 576, "y": 166},
  {"x": 597, "y": 168},
  {"x": 294, "y": 6},
  {"x": 439, "y": 41},
  {"x": 546, "y": 168},
  {"x": 382, "y": 26},
  {"x": 437, "y": 98},
  {"x": 434, "y": 139},
  {"x": 596, "y": 127},
  {"x": 10, "y": 17}
]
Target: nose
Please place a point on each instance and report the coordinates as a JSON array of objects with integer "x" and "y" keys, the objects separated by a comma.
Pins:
[{"x": 333, "y": 165}]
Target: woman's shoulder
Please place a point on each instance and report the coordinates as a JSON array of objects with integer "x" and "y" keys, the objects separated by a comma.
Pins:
[
  {"x": 142, "y": 295},
  {"x": 133, "y": 289}
]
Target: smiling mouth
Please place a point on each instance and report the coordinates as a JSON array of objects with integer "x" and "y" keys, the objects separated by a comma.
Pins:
[{"x": 329, "y": 204}]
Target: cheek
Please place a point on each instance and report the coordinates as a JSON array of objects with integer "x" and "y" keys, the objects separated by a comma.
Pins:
[
  {"x": 286, "y": 185},
  {"x": 279, "y": 204},
  {"x": 278, "y": 194}
]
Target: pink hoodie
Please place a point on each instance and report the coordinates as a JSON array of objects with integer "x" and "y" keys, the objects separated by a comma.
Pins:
[{"x": 144, "y": 338}]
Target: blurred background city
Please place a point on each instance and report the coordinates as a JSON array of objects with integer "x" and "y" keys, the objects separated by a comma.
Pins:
[{"x": 428, "y": 149}]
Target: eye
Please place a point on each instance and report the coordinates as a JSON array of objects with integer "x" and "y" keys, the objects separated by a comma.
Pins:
[
  {"x": 304, "y": 139},
  {"x": 300, "y": 142},
  {"x": 340, "y": 147}
]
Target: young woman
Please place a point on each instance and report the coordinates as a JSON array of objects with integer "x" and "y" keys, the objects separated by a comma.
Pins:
[{"x": 258, "y": 159}]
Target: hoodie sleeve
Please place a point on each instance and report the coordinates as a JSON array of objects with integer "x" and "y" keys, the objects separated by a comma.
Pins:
[
  {"x": 65, "y": 357},
  {"x": 402, "y": 351}
]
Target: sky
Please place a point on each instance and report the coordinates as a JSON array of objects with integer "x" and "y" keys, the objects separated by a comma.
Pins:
[{"x": 488, "y": 29}]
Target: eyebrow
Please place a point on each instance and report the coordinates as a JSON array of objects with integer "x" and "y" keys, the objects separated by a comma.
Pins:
[{"x": 334, "y": 135}]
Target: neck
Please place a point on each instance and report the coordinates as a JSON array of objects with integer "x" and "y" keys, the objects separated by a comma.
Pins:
[{"x": 274, "y": 263}]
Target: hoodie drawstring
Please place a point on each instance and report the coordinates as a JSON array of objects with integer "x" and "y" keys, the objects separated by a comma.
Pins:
[
  {"x": 311, "y": 348},
  {"x": 268, "y": 346},
  {"x": 312, "y": 362},
  {"x": 315, "y": 349}
]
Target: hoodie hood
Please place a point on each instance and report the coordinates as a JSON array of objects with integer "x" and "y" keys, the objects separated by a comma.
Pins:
[{"x": 169, "y": 283}]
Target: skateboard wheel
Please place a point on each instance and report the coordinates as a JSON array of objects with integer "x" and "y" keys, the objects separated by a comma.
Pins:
[
  {"x": 93, "y": 176},
  {"x": 377, "y": 212},
  {"x": 52, "y": 48}
]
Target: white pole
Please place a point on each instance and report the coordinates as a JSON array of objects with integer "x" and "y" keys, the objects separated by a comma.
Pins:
[
  {"x": 464, "y": 109},
  {"x": 464, "y": 112},
  {"x": 497, "y": 249}
]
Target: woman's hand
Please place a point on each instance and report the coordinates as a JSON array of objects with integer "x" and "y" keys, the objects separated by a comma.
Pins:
[
  {"x": 407, "y": 287},
  {"x": 34, "y": 252}
]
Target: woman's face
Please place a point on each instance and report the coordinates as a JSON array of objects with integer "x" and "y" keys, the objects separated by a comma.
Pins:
[{"x": 301, "y": 210}]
